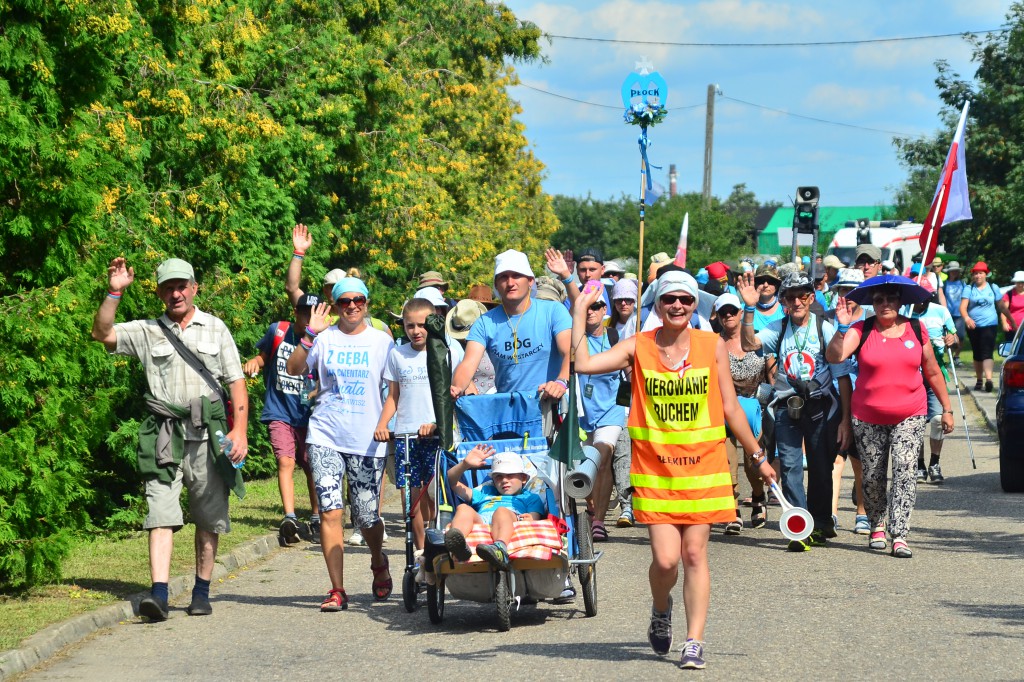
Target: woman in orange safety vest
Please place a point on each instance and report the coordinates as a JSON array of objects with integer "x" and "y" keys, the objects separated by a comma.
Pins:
[{"x": 682, "y": 397}]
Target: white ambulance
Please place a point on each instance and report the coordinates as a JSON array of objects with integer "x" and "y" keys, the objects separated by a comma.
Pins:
[{"x": 898, "y": 240}]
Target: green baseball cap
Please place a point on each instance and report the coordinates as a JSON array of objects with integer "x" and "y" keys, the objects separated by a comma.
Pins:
[{"x": 174, "y": 268}]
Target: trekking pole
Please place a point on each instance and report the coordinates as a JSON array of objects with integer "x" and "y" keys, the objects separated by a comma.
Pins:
[{"x": 963, "y": 412}]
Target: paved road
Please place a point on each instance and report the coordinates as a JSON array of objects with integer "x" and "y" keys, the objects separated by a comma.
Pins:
[{"x": 956, "y": 610}]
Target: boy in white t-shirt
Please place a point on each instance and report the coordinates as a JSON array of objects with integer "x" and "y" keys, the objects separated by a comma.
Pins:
[{"x": 410, "y": 403}]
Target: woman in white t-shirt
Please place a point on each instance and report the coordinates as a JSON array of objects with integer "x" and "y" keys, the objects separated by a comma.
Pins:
[{"x": 349, "y": 359}]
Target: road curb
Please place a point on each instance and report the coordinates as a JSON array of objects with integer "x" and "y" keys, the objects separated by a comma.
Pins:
[{"x": 45, "y": 643}]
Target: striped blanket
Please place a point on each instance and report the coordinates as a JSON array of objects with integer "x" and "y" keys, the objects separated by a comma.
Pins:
[{"x": 530, "y": 540}]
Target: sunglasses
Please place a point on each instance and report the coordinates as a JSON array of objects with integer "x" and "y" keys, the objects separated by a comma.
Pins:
[
  {"x": 891, "y": 299},
  {"x": 623, "y": 301},
  {"x": 669, "y": 299},
  {"x": 864, "y": 263},
  {"x": 360, "y": 301},
  {"x": 728, "y": 311},
  {"x": 596, "y": 306},
  {"x": 758, "y": 281}
]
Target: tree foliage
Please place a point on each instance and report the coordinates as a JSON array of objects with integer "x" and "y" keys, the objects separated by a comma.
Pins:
[
  {"x": 204, "y": 129},
  {"x": 995, "y": 150}
]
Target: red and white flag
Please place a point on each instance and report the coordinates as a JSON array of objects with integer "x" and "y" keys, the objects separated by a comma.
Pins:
[
  {"x": 951, "y": 202},
  {"x": 683, "y": 234}
]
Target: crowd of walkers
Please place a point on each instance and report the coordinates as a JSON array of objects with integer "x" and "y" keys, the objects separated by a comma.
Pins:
[{"x": 781, "y": 371}]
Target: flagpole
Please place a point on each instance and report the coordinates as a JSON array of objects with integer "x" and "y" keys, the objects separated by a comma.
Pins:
[
  {"x": 640, "y": 263},
  {"x": 931, "y": 234}
]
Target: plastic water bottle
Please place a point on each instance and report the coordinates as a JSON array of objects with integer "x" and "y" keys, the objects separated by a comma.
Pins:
[
  {"x": 225, "y": 446},
  {"x": 308, "y": 386}
]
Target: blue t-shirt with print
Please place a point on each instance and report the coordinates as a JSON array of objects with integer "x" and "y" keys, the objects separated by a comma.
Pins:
[
  {"x": 486, "y": 499},
  {"x": 954, "y": 290},
  {"x": 522, "y": 348},
  {"x": 981, "y": 304},
  {"x": 282, "y": 401},
  {"x": 800, "y": 355},
  {"x": 598, "y": 392}
]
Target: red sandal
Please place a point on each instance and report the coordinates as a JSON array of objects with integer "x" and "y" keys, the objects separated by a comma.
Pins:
[
  {"x": 382, "y": 586},
  {"x": 336, "y": 600}
]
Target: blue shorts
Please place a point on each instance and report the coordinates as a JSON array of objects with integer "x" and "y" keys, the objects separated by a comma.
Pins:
[{"x": 422, "y": 461}]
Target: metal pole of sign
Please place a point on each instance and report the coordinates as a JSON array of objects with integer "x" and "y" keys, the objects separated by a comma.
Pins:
[
  {"x": 640, "y": 262},
  {"x": 963, "y": 412}
]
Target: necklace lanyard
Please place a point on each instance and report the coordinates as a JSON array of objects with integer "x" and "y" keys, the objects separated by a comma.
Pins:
[
  {"x": 515, "y": 332},
  {"x": 796, "y": 340}
]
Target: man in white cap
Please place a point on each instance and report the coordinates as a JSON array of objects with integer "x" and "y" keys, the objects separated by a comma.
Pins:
[
  {"x": 526, "y": 339},
  {"x": 177, "y": 445}
]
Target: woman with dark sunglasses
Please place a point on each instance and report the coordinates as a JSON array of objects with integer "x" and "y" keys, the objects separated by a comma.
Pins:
[
  {"x": 748, "y": 371},
  {"x": 889, "y": 407},
  {"x": 682, "y": 398},
  {"x": 349, "y": 358}
]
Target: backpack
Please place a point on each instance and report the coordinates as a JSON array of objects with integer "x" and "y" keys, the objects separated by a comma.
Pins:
[
  {"x": 869, "y": 324},
  {"x": 819, "y": 320},
  {"x": 279, "y": 334}
]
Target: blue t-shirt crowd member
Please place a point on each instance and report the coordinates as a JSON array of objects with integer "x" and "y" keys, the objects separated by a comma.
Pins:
[{"x": 527, "y": 340}]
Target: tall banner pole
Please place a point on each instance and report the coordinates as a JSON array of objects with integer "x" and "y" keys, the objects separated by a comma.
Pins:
[
  {"x": 644, "y": 93},
  {"x": 931, "y": 236}
]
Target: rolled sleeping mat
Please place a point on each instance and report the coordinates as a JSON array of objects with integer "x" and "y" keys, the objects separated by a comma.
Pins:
[{"x": 579, "y": 482}]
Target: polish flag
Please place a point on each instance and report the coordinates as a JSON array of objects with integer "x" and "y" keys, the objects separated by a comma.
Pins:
[
  {"x": 951, "y": 202},
  {"x": 683, "y": 234}
]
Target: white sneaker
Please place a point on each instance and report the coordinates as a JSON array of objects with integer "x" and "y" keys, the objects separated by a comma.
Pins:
[
  {"x": 356, "y": 538},
  {"x": 384, "y": 540}
]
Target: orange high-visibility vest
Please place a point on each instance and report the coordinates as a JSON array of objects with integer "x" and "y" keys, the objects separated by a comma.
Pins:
[{"x": 680, "y": 472}]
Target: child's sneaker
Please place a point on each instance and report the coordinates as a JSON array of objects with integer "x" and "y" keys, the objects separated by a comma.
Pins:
[
  {"x": 455, "y": 543},
  {"x": 659, "y": 632},
  {"x": 693, "y": 655},
  {"x": 625, "y": 519},
  {"x": 861, "y": 526},
  {"x": 356, "y": 538},
  {"x": 314, "y": 531},
  {"x": 495, "y": 554}
]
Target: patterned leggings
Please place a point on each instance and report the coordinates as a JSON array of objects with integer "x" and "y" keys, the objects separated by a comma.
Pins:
[{"x": 876, "y": 443}]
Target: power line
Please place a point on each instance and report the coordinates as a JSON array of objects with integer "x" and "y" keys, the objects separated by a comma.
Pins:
[
  {"x": 816, "y": 120},
  {"x": 595, "y": 104},
  {"x": 819, "y": 43}
]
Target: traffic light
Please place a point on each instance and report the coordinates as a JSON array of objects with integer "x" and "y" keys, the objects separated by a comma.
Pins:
[
  {"x": 863, "y": 232},
  {"x": 805, "y": 214}
]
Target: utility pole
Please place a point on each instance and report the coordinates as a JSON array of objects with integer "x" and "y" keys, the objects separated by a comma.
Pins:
[{"x": 709, "y": 136}]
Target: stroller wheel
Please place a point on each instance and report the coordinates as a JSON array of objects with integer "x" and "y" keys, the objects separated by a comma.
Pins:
[
  {"x": 409, "y": 590},
  {"x": 503, "y": 598},
  {"x": 435, "y": 602}
]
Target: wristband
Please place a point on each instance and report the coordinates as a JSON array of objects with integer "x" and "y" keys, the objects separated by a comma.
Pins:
[
  {"x": 567, "y": 280},
  {"x": 947, "y": 412},
  {"x": 565, "y": 384},
  {"x": 114, "y": 294},
  {"x": 747, "y": 324},
  {"x": 308, "y": 345},
  {"x": 748, "y": 308},
  {"x": 298, "y": 253},
  {"x": 843, "y": 328},
  {"x": 310, "y": 333},
  {"x": 759, "y": 453}
]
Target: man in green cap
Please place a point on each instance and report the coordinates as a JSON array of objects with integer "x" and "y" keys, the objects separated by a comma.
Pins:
[{"x": 178, "y": 445}]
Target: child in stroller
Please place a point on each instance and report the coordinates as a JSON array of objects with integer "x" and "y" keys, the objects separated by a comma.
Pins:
[{"x": 500, "y": 503}]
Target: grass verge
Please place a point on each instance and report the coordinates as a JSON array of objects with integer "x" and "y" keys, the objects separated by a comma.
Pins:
[{"x": 105, "y": 569}]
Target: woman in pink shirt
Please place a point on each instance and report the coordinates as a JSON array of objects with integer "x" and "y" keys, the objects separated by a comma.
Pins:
[
  {"x": 889, "y": 404},
  {"x": 1012, "y": 304}
]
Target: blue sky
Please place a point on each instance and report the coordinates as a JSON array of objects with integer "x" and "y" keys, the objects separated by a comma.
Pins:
[{"x": 886, "y": 86}]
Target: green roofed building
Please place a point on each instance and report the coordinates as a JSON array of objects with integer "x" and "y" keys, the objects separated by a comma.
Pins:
[{"x": 830, "y": 218}]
